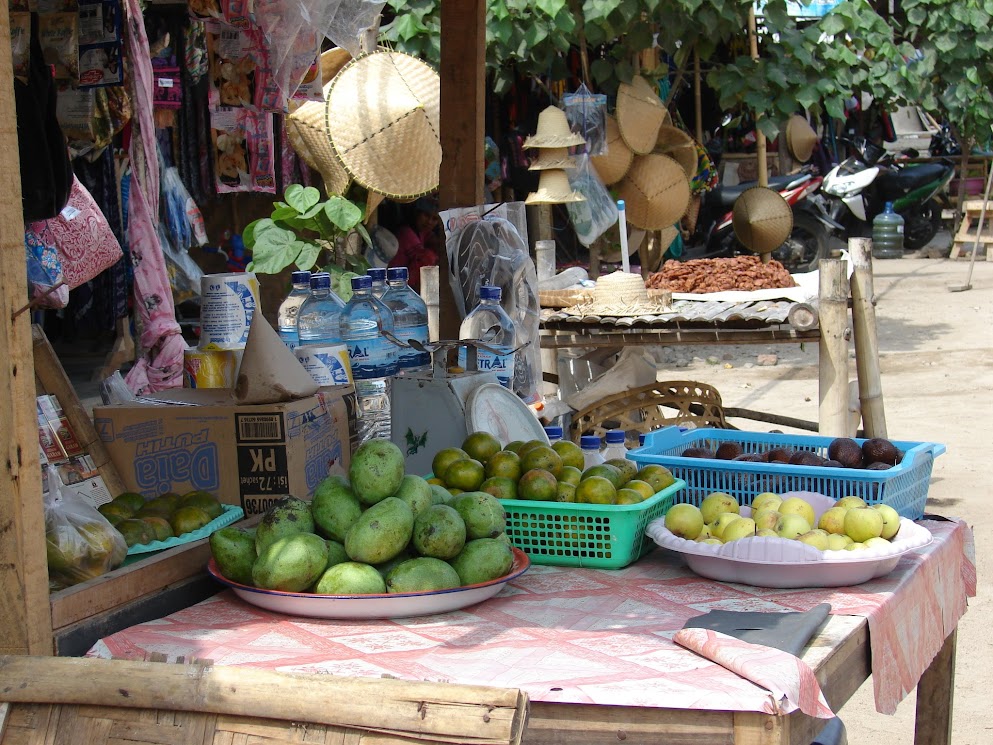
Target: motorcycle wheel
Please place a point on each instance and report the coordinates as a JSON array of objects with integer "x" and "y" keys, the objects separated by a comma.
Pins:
[
  {"x": 921, "y": 225},
  {"x": 805, "y": 247}
]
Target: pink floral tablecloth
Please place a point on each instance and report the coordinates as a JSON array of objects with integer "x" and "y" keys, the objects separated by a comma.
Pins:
[{"x": 584, "y": 635}]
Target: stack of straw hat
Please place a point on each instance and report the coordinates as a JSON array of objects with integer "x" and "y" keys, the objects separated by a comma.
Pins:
[
  {"x": 378, "y": 125},
  {"x": 552, "y": 139}
]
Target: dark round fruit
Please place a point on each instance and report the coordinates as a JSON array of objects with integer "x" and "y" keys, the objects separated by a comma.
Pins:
[
  {"x": 846, "y": 451},
  {"x": 878, "y": 467},
  {"x": 879, "y": 450},
  {"x": 698, "y": 453},
  {"x": 833, "y": 464},
  {"x": 806, "y": 458},
  {"x": 749, "y": 458},
  {"x": 728, "y": 451},
  {"x": 779, "y": 455}
]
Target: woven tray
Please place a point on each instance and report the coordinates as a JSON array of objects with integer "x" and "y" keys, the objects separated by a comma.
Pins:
[{"x": 564, "y": 298}]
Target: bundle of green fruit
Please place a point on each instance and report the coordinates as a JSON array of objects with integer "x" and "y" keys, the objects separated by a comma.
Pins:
[
  {"x": 875, "y": 454},
  {"x": 377, "y": 531},
  {"x": 849, "y": 525},
  {"x": 169, "y": 515},
  {"x": 534, "y": 470}
]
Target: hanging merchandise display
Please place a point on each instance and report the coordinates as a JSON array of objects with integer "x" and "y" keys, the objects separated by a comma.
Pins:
[
  {"x": 100, "y": 43},
  {"x": 20, "y": 43},
  {"x": 242, "y": 151},
  {"x": 59, "y": 37},
  {"x": 594, "y": 216},
  {"x": 587, "y": 115}
]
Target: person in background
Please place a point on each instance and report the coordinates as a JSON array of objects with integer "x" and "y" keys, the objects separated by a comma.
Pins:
[{"x": 419, "y": 234}]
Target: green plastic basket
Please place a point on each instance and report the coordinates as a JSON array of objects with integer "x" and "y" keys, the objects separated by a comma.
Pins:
[{"x": 604, "y": 536}]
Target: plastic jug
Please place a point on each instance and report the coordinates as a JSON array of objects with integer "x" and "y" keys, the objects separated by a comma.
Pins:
[{"x": 887, "y": 234}]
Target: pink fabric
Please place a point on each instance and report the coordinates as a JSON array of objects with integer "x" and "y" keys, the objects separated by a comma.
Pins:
[
  {"x": 161, "y": 363},
  {"x": 581, "y": 635},
  {"x": 789, "y": 680}
]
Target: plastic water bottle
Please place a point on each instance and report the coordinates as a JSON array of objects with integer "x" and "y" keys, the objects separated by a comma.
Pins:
[
  {"x": 615, "y": 447},
  {"x": 887, "y": 234},
  {"x": 372, "y": 356},
  {"x": 410, "y": 319},
  {"x": 489, "y": 323},
  {"x": 287, "y": 319},
  {"x": 590, "y": 445},
  {"x": 317, "y": 319},
  {"x": 554, "y": 434},
  {"x": 378, "y": 275}
]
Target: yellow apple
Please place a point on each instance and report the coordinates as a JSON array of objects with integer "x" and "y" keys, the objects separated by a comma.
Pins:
[
  {"x": 838, "y": 542},
  {"x": 798, "y": 506},
  {"x": 723, "y": 520},
  {"x": 717, "y": 503},
  {"x": 853, "y": 546},
  {"x": 816, "y": 538},
  {"x": 766, "y": 500},
  {"x": 891, "y": 520},
  {"x": 684, "y": 520},
  {"x": 791, "y": 526},
  {"x": 850, "y": 502},
  {"x": 877, "y": 543},
  {"x": 765, "y": 518},
  {"x": 712, "y": 541},
  {"x": 833, "y": 520},
  {"x": 743, "y": 527},
  {"x": 766, "y": 533},
  {"x": 861, "y": 524}
]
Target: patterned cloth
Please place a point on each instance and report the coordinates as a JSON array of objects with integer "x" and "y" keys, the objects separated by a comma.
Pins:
[{"x": 586, "y": 636}]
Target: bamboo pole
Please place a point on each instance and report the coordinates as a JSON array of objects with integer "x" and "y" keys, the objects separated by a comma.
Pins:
[
  {"x": 697, "y": 96},
  {"x": 866, "y": 343},
  {"x": 833, "y": 349},
  {"x": 760, "y": 145}
]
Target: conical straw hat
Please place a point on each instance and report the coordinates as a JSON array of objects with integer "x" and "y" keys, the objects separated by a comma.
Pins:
[
  {"x": 332, "y": 61},
  {"x": 553, "y": 131},
  {"x": 670, "y": 138},
  {"x": 554, "y": 188},
  {"x": 655, "y": 191},
  {"x": 612, "y": 165},
  {"x": 382, "y": 117},
  {"x": 640, "y": 113},
  {"x": 762, "y": 219},
  {"x": 552, "y": 157},
  {"x": 307, "y": 135},
  {"x": 800, "y": 138}
]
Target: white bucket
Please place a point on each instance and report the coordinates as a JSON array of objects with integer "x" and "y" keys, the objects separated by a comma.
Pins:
[
  {"x": 327, "y": 365},
  {"x": 227, "y": 304}
]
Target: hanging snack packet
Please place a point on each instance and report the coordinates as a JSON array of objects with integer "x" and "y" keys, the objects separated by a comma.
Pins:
[
  {"x": 20, "y": 44},
  {"x": 58, "y": 34},
  {"x": 587, "y": 115},
  {"x": 100, "y": 43},
  {"x": 205, "y": 9},
  {"x": 236, "y": 13},
  {"x": 227, "y": 134},
  {"x": 261, "y": 152},
  {"x": 232, "y": 66}
]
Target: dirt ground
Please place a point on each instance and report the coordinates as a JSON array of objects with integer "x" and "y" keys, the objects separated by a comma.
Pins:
[{"x": 936, "y": 357}]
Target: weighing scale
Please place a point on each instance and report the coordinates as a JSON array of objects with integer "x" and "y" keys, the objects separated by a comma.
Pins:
[{"x": 438, "y": 409}]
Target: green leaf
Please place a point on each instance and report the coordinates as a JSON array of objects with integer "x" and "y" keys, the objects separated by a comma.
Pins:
[
  {"x": 284, "y": 213},
  {"x": 917, "y": 15},
  {"x": 550, "y": 8},
  {"x": 248, "y": 234},
  {"x": 342, "y": 213},
  {"x": 832, "y": 24},
  {"x": 301, "y": 198},
  {"x": 307, "y": 257}
]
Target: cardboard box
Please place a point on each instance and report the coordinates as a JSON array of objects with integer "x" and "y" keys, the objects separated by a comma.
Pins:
[{"x": 246, "y": 455}]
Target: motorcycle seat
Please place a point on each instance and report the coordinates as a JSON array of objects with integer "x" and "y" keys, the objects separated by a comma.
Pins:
[
  {"x": 900, "y": 181},
  {"x": 729, "y": 194}
]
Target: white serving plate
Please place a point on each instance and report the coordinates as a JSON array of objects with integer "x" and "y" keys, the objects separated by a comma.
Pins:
[
  {"x": 400, "y": 605},
  {"x": 782, "y": 563}
]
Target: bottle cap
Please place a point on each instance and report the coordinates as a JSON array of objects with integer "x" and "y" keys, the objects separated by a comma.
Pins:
[
  {"x": 641, "y": 440},
  {"x": 362, "y": 283},
  {"x": 395, "y": 273},
  {"x": 486, "y": 292},
  {"x": 615, "y": 436},
  {"x": 589, "y": 442},
  {"x": 554, "y": 432},
  {"x": 320, "y": 281},
  {"x": 377, "y": 274},
  {"x": 299, "y": 278}
]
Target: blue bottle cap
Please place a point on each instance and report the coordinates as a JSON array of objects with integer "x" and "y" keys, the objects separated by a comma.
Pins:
[
  {"x": 321, "y": 280},
  {"x": 395, "y": 273},
  {"x": 615, "y": 436},
  {"x": 641, "y": 440},
  {"x": 554, "y": 433},
  {"x": 299, "y": 278},
  {"x": 486, "y": 292},
  {"x": 362, "y": 283},
  {"x": 588, "y": 442},
  {"x": 377, "y": 274}
]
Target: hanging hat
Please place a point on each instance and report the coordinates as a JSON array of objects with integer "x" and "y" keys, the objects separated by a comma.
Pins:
[
  {"x": 655, "y": 191},
  {"x": 332, "y": 61},
  {"x": 762, "y": 219},
  {"x": 307, "y": 135},
  {"x": 382, "y": 118},
  {"x": 800, "y": 138},
  {"x": 612, "y": 165},
  {"x": 552, "y": 157},
  {"x": 553, "y": 131},
  {"x": 679, "y": 146},
  {"x": 554, "y": 188},
  {"x": 640, "y": 113}
]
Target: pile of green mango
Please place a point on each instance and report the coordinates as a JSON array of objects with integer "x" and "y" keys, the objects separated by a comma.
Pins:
[{"x": 378, "y": 531}]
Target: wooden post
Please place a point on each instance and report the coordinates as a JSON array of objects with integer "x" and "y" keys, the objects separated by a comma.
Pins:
[
  {"x": 753, "y": 43},
  {"x": 833, "y": 378},
  {"x": 463, "y": 98},
  {"x": 866, "y": 343},
  {"x": 25, "y": 616},
  {"x": 935, "y": 696}
]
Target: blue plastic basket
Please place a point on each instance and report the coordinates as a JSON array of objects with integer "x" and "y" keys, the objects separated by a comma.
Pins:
[{"x": 903, "y": 487}]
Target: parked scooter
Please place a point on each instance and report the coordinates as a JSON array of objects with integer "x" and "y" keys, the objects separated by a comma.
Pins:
[
  {"x": 714, "y": 235},
  {"x": 857, "y": 189}
]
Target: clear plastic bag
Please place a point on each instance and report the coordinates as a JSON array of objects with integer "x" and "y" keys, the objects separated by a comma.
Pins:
[
  {"x": 598, "y": 213},
  {"x": 587, "y": 115},
  {"x": 81, "y": 543}
]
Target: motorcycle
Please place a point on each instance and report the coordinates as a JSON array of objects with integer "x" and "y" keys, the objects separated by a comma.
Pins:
[
  {"x": 858, "y": 188},
  {"x": 714, "y": 234}
]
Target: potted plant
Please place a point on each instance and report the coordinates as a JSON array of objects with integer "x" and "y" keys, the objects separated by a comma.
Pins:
[{"x": 308, "y": 232}]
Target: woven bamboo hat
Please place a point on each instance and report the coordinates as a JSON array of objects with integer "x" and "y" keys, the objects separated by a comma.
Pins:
[
  {"x": 640, "y": 114},
  {"x": 382, "y": 117},
  {"x": 307, "y": 135},
  {"x": 656, "y": 192},
  {"x": 552, "y": 157},
  {"x": 553, "y": 131},
  {"x": 761, "y": 219},
  {"x": 332, "y": 61},
  {"x": 621, "y": 294},
  {"x": 554, "y": 188},
  {"x": 612, "y": 165},
  {"x": 679, "y": 146},
  {"x": 800, "y": 138}
]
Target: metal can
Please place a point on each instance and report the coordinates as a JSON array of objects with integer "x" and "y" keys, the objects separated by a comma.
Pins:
[
  {"x": 227, "y": 304},
  {"x": 327, "y": 365},
  {"x": 211, "y": 368}
]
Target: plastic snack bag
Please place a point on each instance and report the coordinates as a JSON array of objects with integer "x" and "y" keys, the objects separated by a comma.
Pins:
[
  {"x": 587, "y": 115},
  {"x": 80, "y": 542},
  {"x": 598, "y": 213}
]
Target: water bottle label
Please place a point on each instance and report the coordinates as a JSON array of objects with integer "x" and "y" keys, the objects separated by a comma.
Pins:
[
  {"x": 410, "y": 357},
  {"x": 372, "y": 358},
  {"x": 501, "y": 364},
  {"x": 290, "y": 338}
]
